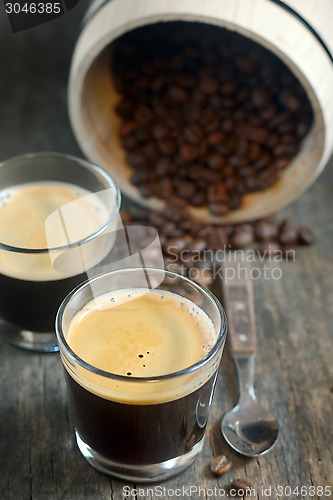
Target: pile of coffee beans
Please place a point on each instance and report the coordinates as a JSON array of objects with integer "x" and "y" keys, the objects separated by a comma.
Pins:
[
  {"x": 207, "y": 115},
  {"x": 190, "y": 247}
]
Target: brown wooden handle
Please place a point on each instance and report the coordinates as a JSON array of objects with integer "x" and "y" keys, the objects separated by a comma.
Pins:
[{"x": 239, "y": 303}]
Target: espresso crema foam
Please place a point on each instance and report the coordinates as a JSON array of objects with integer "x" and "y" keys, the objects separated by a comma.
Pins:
[
  {"x": 24, "y": 210},
  {"x": 140, "y": 333}
]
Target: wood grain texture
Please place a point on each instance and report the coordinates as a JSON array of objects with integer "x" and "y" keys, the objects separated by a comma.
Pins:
[{"x": 39, "y": 459}]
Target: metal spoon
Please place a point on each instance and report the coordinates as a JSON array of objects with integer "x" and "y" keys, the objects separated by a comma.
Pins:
[{"x": 248, "y": 428}]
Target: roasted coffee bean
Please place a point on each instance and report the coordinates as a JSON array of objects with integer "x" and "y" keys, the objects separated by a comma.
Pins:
[
  {"x": 193, "y": 133},
  {"x": 288, "y": 234},
  {"x": 242, "y": 487},
  {"x": 196, "y": 237},
  {"x": 305, "y": 236},
  {"x": 189, "y": 152},
  {"x": 199, "y": 244},
  {"x": 159, "y": 131},
  {"x": 163, "y": 167},
  {"x": 186, "y": 189},
  {"x": 215, "y": 161},
  {"x": 234, "y": 201},
  {"x": 217, "y": 193},
  {"x": 164, "y": 187},
  {"x": 178, "y": 243},
  {"x": 143, "y": 115},
  {"x": 209, "y": 85},
  {"x": 218, "y": 208},
  {"x": 282, "y": 163},
  {"x": 243, "y": 236},
  {"x": 166, "y": 146},
  {"x": 127, "y": 128},
  {"x": 129, "y": 143},
  {"x": 266, "y": 230},
  {"x": 220, "y": 466},
  {"x": 260, "y": 97},
  {"x": 178, "y": 94},
  {"x": 136, "y": 160},
  {"x": 141, "y": 177},
  {"x": 216, "y": 137},
  {"x": 156, "y": 219},
  {"x": 237, "y": 161},
  {"x": 146, "y": 190},
  {"x": 218, "y": 238}
]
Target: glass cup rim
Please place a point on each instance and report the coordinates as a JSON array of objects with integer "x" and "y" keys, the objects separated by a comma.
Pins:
[
  {"x": 64, "y": 346},
  {"x": 87, "y": 164}
]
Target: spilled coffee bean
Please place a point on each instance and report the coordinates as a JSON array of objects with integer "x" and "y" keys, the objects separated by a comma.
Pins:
[
  {"x": 241, "y": 487},
  {"x": 220, "y": 466},
  {"x": 189, "y": 246}
]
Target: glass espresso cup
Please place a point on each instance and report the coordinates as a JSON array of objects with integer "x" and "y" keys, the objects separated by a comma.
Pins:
[
  {"x": 55, "y": 211},
  {"x": 163, "y": 336}
]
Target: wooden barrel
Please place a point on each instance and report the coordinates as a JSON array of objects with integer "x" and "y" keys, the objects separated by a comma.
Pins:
[{"x": 299, "y": 32}]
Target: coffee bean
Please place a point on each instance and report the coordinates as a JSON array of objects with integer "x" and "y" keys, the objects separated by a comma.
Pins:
[
  {"x": 217, "y": 193},
  {"x": 193, "y": 134},
  {"x": 209, "y": 85},
  {"x": 215, "y": 161},
  {"x": 218, "y": 208},
  {"x": 136, "y": 160},
  {"x": 288, "y": 234},
  {"x": 242, "y": 487},
  {"x": 305, "y": 236},
  {"x": 178, "y": 243},
  {"x": 234, "y": 201},
  {"x": 266, "y": 230},
  {"x": 282, "y": 163},
  {"x": 129, "y": 143},
  {"x": 243, "y": 236},
  {"x": 166, "y": 146},
  {"x": 163, "y": 167},
  {"x": 164, "y": 187},
  {"x": 143, "y": 115},
  {"x": 141, "y": 177},
  {"x": 178, "y": 94},
  {"x": 199, "y": 244},
  {"x": 260, "y": 97},
  {"x": 216, "y": 137},
  {"x": 220, "y": 466},
  {"x": 127, "y": 128},
  {"x": 218, "y": 238},
  {"x": 160, "y": 131},
  {"x": 189, "y": 152},
  {"x": 186, "y": 189},
  {"x": 146, "y": 190}
]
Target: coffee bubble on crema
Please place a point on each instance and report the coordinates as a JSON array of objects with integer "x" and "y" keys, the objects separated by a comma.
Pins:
[
  {"x": 24, "y": 209},
  {"x": 141, "y": 333}
]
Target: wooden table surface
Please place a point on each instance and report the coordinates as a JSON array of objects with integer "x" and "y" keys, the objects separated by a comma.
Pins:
[{"x": 39, "y": 459}]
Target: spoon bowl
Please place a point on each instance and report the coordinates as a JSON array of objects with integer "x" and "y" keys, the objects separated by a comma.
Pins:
[{"x": 250, "y": 429}]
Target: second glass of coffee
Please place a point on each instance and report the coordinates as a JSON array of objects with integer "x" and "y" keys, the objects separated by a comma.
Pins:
[{"x": 55, "y": 212}]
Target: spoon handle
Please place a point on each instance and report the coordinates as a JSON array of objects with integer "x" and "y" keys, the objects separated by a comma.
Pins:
[{"x": 239, "y": 303}]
